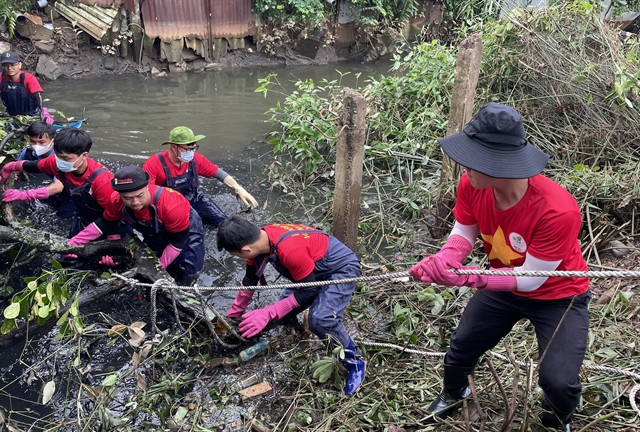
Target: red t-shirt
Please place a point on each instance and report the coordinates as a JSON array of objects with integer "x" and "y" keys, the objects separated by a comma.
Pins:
[
  {"x": 299, "y": 252},
  {"x": 30, "y": 82},
  {"x": 545, "y": 223},
  {"x": 173, "y": 209},
  {"x": 100, "y": 188},
  {"x": 154, "y": 167}
]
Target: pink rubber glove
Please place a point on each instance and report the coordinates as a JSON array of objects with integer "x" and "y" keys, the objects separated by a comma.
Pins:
[
  {"x": 91, "y": 232},
  {"x": 113, "y": 237},
  {"x": 108, "y": 261},
  {"x": 456, "y": 249},
  {"x": 46, "y": 116},
  {"x": 168, "y": 255},
  {"x": 8, "y": 168},
  {"x": 240, "y": 303},
  {"x": 25, "y": 195},
  {"x": 253, "y": 322},
  {"x": 443, "y": 276}
]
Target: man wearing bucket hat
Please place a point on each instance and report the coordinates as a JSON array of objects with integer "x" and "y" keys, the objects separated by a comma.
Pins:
[
  {"x": 20, "y": 91},
  {"x": 180, "y": 168},
  {"x": 527, "y": 222},
  {"x": 168, "y": 224}
]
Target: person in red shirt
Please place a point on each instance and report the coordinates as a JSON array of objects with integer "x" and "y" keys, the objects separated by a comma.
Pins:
[
  {"x": 301, "y": 254},
  {"x": 181, "y": 167},
  {"x": 526, "y": 222},
  {"x": 20, "y": 91},
  {"x": 86, "y": 182},
  {"x": 168, "y": 224}
]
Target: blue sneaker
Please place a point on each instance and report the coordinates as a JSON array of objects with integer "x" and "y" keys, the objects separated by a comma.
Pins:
[{"x": 356, "y": 368}]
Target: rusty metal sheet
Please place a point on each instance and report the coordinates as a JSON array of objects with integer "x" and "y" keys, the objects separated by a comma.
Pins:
[
  {"x": 174, "y": 19},
  {"x": 230, "y": 18}
]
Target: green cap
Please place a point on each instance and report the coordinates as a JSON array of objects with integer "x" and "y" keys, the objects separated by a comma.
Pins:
[{"x": 182, "y": 135}]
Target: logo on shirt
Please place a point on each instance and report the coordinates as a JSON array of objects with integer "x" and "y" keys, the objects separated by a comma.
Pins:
[{"x": 517, "y": 242}]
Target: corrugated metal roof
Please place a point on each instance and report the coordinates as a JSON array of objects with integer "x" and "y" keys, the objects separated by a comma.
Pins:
[
  {"x": 174, "y": 19},
  {"x": 230, "y": 18}
]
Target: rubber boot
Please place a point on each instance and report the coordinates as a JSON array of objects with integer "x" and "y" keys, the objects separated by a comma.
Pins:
[
  {"x": 551, "y": 419},
  {"x": 355, "y": 367},
  {"x": 456, "y": 388}
]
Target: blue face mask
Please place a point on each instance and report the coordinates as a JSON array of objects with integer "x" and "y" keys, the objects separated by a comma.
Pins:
[
  {"x": 65, "y": 166},
  {"x": 187, "y": 156}
]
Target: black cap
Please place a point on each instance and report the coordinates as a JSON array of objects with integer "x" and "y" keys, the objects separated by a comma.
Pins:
[
  {"x": 494, "y": 143},
  {"x": 129, "y": 179},
  {"x": 9, "y": 57}
]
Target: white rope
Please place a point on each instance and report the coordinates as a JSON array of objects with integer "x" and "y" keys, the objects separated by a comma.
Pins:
[
  {"x": 608, "y": 369},
  {"x": 404, "y": 277}
]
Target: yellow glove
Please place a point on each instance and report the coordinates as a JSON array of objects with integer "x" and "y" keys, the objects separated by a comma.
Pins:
[{"x": 244, "y": 196}]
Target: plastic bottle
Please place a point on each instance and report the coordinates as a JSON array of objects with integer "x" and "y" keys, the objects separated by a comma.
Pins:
[
  {"x": 244, "y": 383},
  {"x": 254, "y": 350}
]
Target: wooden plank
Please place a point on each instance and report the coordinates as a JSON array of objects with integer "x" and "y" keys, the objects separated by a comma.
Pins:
[{"x": 255, "y": 390}]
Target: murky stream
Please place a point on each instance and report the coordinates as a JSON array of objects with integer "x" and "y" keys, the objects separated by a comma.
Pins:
[{"x": 129, "y": 117}]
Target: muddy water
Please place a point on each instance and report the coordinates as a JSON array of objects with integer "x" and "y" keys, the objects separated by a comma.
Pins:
[{"x": 129, "y": 118}]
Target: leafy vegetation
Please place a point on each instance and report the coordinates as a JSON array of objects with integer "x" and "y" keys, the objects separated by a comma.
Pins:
[
  {"x": 8, "y": 9},
  {"x": 317, "y": 11},
  {"x": 44, "y": 297},
  {"x": 578, "y": 100}
]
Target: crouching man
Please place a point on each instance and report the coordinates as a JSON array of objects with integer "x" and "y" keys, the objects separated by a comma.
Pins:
[
  {"x": 168, "y": 224},
  {"x": 301, "y": 254}
]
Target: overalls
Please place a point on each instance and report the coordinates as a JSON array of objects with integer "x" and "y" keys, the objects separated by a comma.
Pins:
[
  {"x": 191, "y": 258},
  {"x": 326, "y": 312},
  {"x": 16, "y": 97},
  {"x": 87, "y": 207},
  {"x": 187, "y": 185}
]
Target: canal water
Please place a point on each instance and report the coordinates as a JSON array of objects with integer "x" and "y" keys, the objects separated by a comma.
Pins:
[{"x": 129, "y": 117}]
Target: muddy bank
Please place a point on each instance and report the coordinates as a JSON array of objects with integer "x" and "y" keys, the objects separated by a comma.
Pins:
[{"x": 60, "y": 50}]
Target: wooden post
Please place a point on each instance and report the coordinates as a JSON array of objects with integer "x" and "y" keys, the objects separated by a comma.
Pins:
[
  {"x": 461, "y": 110},
  {"x": 349, "y": 158}
]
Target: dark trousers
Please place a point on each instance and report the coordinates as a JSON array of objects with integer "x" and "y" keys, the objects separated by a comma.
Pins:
[
  {"x": 489, "y": 316},
  {"x": 207, "y": 209},
  {"x": 326, "y": 313}
]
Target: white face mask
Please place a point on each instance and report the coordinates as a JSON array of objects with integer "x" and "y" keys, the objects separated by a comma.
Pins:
[
  {"x": 187, "y": 156},
  {"x": 66, "y": 166},
  {"x": 42, "y": 149}
]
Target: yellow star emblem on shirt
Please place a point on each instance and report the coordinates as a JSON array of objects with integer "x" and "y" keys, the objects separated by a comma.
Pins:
[{"x": 499, "y": 248}]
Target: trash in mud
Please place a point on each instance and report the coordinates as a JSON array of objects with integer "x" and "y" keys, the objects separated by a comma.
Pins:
[{"x": 255, "y": 390}]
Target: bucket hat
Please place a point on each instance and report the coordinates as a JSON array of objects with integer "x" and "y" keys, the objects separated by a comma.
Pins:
[
  {"x": 182, "y": 135},
  {"x": 494, "y": 143},
  {"x": 129, "y": 179},
  {"x": 9, "y": 57}
]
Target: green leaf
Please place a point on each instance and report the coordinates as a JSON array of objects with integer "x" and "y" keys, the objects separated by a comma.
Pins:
[
  {"x": 12, "y": 311},
  {"x": 48, "y": 391},
  {"x": 110, "y": 380}
]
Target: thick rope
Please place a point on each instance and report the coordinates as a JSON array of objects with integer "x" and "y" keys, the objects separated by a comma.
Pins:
[
  {"x": 608, "y": 369},
  {"x": 613, "y": 274},
  {"x": 401, "y": 275}
]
